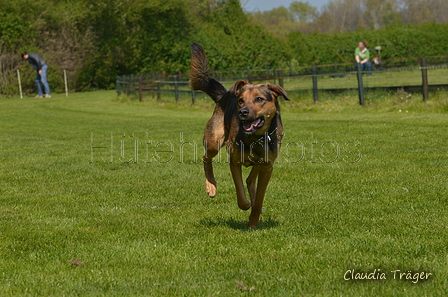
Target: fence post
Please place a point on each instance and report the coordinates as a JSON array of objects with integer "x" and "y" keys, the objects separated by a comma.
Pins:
[
  {"x": 140, "y": 88},
  {"x": 117, "y": 85},
  {"x": 152, "y": 84},
  {"x": 315, "y": 90},
  {"x": 280, "y": 77},
  {"x": 124, "y": 84},
  {"x": 20, "y": 84},
  {"x": 360, "y": 84},
  {"x": 132, "y": 84},
  {"x": 128, "y": 86},
  {"x": 249, "y": 75},
  {"x": 193, "y": 96},
  {"x": 176, "y": 88},
  {"x": 424, "y": 78},
  {"x": 65, "y": 81}
]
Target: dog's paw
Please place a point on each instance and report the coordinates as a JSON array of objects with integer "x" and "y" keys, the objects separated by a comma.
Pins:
[
  {"x": 244, "y": 205},
  {"x": 210, "y": 189},
  {"x": 252, "y": 226}
]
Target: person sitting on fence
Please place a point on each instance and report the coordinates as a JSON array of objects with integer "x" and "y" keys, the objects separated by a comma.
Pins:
[{"x": 362, "y": 57}]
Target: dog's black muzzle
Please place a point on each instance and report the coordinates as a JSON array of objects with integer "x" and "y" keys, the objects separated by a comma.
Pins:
[{"x": 243, "y": 113}]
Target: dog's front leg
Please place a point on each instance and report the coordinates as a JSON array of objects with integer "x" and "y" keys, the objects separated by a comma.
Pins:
[
  {"x": 251, "y": 183},
  {"x": 210, "y": 182},
  {"x": 237, "y": 175},
  {"x": 212, "y": 144},
  {"x": 265, "y": 173}
]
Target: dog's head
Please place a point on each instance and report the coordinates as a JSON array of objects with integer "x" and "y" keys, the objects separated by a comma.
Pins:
[{"x": 257, "y": 105}]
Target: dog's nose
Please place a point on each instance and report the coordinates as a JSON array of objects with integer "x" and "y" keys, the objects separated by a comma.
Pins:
[{"x": 244, "y": 112}]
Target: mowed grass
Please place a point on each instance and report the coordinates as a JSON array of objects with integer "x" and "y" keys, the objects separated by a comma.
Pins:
[{"x": 104, "y": 196}]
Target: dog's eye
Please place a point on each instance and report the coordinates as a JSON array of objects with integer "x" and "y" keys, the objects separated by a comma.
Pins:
[
  {"x": 259, "y": 99},
  {"x": 240, "y": 101}
]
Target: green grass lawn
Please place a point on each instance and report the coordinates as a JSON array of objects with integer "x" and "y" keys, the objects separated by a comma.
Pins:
[{"x": 105, "y": 196}]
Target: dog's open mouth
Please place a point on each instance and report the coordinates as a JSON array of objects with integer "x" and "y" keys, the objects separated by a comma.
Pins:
[{"x": 252, "y": 126}]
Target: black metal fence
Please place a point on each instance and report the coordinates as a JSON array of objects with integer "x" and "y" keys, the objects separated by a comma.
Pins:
[{"x": 418, "y": 75}]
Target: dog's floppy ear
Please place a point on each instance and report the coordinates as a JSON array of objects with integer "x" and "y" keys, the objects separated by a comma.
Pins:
[
  {"x": 278, "y": 90},
  {"x": 237, "y": 87}
]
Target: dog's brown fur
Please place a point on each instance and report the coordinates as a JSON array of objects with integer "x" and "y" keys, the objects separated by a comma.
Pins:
[{"x": 247, "y": 121}]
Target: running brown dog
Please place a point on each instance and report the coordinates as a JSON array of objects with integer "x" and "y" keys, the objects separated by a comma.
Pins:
[{"x": 247, "y": 121}]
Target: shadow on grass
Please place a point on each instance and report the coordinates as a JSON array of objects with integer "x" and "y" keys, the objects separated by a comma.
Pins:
[{"x": 265, "y": 223}]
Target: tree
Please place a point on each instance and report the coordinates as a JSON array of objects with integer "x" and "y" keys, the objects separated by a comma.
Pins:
[
  {"x": 381, "y": 13},
  {"x": 233, "y": 39},
  {"x": 416, "y": 11},
  {"x": 340, "y": 16},
  {"x": 302, "y": 11}
]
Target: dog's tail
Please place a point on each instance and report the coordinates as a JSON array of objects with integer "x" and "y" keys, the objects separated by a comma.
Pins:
[{"x": 199, "y": 78}]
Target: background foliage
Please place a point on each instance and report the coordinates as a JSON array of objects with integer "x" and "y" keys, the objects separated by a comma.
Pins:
[{"x": 97, "y": 40}]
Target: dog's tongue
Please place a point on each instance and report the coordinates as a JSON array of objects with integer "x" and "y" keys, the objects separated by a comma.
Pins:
[{"x": 250, "y": 126}]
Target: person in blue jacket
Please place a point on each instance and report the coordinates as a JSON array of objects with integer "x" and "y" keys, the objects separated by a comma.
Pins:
[{"x": 39, "y": 64}]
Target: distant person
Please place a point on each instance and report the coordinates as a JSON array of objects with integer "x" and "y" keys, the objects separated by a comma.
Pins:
[
  {"x": 362, "y": 57},
  {"x": 38, "y": 63}
]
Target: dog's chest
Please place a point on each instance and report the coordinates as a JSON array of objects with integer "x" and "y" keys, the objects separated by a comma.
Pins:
[{"x": 250, "y": 152}]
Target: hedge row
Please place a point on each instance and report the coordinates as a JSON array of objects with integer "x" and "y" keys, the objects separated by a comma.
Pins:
[{"x": 97, "y": 40}]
